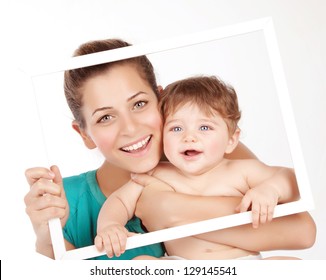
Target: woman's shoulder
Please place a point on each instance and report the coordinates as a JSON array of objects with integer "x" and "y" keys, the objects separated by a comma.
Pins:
[
  {"x": 76, "y": 181},
  {"x": 80, "y": 185}
]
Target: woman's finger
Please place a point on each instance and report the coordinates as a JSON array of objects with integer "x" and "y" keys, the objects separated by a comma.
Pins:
[
  {"x": 42, "y": 187},
  {"x": 46, "y": 214},
  {"x": 47, "y": 201},
  {"x": 58, "y": 180},
  {"x": 34, "y": 174}
]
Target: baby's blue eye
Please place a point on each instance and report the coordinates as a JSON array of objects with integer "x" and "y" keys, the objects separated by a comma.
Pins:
[
  {"x": 176, "y": 129},
  {"x": 204, "y": 128}
]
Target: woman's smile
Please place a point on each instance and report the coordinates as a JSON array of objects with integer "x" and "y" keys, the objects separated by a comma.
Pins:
[{"x": 137, "y": 146}]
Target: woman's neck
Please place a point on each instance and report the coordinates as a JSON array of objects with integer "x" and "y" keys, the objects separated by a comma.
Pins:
[{"x": 110, "y": 178}]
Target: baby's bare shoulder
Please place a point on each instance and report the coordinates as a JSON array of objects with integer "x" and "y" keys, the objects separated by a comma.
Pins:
[{"x": 235, "y": 163}]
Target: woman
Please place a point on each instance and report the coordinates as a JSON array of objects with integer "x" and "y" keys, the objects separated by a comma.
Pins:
[{"x": 115, "y": 109}]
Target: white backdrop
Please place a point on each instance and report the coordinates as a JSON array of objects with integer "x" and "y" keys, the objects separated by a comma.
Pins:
[{"x": 36, "y": 31}]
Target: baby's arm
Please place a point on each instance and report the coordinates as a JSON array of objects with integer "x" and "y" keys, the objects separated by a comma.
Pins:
[
  {"x": 268, "y": 186},
  {"x": 116, "y": 211}
]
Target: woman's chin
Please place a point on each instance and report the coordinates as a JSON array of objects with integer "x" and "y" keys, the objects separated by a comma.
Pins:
[{"x": 143, "y": 168}]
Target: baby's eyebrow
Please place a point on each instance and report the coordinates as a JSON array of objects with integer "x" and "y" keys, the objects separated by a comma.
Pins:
[
  {"x": 171, "y": 121},
  {"x": 208, "y": 121}
]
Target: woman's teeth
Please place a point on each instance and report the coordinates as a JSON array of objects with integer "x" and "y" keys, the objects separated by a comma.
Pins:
[{"x": 136, "y": 146}]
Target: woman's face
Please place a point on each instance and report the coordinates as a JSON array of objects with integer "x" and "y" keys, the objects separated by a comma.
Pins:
[{"x": 122, "y": 119}]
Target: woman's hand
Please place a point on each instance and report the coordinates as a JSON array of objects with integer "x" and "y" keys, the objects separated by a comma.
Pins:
[{"x": 45, "y": 200}]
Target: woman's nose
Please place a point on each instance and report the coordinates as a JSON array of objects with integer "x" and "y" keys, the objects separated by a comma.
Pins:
[{"x": 128, "y": 125}]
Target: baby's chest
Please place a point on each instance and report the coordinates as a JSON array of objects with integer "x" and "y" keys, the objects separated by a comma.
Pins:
[{"x": 232, "y": 187}]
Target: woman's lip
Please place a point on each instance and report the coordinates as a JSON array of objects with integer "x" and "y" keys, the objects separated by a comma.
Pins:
[
  {"x": 137, "y": 145},
  {"x": 140, "y": 152}
]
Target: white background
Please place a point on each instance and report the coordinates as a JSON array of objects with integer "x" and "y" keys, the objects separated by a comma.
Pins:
[{"x": 36, "y": 31}]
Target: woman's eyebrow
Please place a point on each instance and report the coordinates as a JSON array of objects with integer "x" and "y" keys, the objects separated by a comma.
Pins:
[
  {"x": 109, "y": 107},
  {"x": 135, "y": 95},
  {"x": 101, "y": 109}
]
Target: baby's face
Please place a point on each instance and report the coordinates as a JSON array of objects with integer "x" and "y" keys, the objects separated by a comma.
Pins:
[{"x": 193, "y": 141}]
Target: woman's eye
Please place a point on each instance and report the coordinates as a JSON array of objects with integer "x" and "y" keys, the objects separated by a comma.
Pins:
[
  {"x": 204, "y": 128},
  {"x": 140, "y": 104},
  {"x": 105, "y": 118}
]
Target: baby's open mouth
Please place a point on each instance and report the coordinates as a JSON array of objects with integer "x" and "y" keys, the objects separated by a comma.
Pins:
[
  {"x": 191, "y": 153},
  {"x": 136, "y": 147}
]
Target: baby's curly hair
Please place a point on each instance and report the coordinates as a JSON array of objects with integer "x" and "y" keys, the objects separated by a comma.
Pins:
[{"x": 208, "y": 92}]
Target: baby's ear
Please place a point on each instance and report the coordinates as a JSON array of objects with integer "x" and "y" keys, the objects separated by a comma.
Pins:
[
  {"x": 84, "y": 135},
  {"x": 233, "y": 141},
  {"x": 160, "y": 89}
]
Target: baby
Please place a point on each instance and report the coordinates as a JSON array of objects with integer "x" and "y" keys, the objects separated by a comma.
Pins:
[{"x": 201, "y": 117}]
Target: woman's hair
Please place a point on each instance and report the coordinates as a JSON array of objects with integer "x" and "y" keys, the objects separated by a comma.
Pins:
[
  {"x": 210, "y": 94},
  {"x": 76, "y": 78}
]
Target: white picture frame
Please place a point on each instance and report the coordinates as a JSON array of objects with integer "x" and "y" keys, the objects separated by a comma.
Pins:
[{"x": 264, "y": 25}]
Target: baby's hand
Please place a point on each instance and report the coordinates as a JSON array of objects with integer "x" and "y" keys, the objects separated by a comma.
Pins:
[
  {"x": 113, "y": 238},
  {"x": 262, "y": 200}
]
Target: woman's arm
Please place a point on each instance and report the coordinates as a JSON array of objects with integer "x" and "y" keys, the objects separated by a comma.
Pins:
[
  {"x": 160, "y": 209},
  {"x": 280, "y": 234},
  {"x": 164, "y": 209}
]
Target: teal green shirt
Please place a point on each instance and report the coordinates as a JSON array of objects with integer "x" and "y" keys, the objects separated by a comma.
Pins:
[{"x": 85, "y": 200}]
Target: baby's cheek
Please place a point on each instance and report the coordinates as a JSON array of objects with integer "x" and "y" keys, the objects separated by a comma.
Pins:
[{"x": 169, "y": 147}]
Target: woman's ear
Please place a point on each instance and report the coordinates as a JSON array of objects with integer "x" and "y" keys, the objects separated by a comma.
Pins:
[
  {"x": 86, "y": 138},
  {"x": 233, "y": 141}
]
